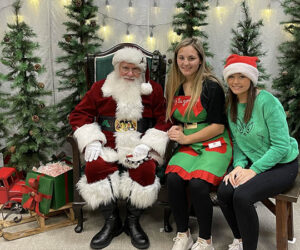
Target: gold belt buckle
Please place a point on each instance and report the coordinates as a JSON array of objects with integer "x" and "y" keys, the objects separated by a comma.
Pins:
[
  {"x": 190, "y": 125},
  {"x": 125, "y": 125}
]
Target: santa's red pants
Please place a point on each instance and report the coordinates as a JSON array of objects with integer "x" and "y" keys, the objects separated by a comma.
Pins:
[{"x": 99, "y": 169}]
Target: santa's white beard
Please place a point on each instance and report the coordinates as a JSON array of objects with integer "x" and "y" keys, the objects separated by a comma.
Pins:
[{"x": 127, "y": 95}]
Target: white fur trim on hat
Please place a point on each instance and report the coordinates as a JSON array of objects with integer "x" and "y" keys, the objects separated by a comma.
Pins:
[
  {"x": 146, "y": 88},
  {"x": 243, "y": 68},
  {"x": 130, "y": 55}
]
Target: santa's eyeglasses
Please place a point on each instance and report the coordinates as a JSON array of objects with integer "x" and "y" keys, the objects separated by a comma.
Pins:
[{"x": 135, "y": 70}]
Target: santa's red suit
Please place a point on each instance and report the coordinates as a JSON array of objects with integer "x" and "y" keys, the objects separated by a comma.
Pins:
[{"x": 94, "y": 119}]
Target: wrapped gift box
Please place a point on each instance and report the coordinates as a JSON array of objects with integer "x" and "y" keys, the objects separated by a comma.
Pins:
[
  {"x": 55, "y": 192},
  {"x": 37, "y": 195},
  {"x": 62, "y": 189}
]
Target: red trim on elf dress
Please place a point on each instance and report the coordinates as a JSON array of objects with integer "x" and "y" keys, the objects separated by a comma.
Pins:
[
  {"x": 181, "y": 103},
  {"x": 201, "y": 174},
  {"x": 188, "y": 150}
]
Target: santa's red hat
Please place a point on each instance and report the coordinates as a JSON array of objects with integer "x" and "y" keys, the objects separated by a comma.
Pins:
[
  {"x": 130, "y": 55},
  {"x": 137, "y": 57},
  {"x": 245, "y": 65}
]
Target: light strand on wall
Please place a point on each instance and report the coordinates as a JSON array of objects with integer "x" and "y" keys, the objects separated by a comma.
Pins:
[{"x": 127, "y": 30}]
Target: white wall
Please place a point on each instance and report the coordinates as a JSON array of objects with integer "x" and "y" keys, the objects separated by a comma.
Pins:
[{"x": 46, "y": 18}]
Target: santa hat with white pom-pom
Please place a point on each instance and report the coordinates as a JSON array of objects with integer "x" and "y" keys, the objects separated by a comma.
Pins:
[{"x": 135, "y": 56}]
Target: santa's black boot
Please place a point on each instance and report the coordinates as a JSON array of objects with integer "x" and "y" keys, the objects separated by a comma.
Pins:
[
  {"x": 112, "y": 226},
  {"x": 132, "y": 227}
]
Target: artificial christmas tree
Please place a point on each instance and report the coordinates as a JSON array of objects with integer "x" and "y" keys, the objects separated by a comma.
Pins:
[
  {"x": 188, "y": 23},
  {"x": 80, "y": 40},
  {"x": 30, "y": 121},
  {"x": 245, "y": 42},
  {"x": 288, "y": 80},
  {"x": 3, "y": 107}
]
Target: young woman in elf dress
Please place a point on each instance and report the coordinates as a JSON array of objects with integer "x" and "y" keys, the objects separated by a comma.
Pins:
[
  {"x": 264, "y": 155},
  {"x": 196, "y": 106}
]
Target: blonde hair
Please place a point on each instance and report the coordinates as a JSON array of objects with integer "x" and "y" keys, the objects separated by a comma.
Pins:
[{"x": 176, "y": 78}]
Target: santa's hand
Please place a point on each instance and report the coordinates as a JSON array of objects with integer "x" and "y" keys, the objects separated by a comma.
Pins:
[
  {"x": 140, "y": 151},
  {"x": 93, "y": 151}
]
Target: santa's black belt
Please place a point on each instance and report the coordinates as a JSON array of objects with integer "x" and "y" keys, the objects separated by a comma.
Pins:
[{"x": 112, "y": 124}]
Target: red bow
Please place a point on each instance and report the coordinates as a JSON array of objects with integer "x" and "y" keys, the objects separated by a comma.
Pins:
[{"x": 34, "y": 196}]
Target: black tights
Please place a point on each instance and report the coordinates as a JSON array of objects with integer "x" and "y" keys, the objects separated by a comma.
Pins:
[
  {"x": 200, "y": 199},
  {"x": 238, "y": 204}
]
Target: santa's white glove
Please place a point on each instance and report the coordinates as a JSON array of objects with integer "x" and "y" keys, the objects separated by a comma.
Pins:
[
  {"x": 93, "y": 151},
  {"x": 140, "y": 152}
]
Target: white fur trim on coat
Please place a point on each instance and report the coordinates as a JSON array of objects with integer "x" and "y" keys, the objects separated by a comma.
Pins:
[
  {"x": 157, "y": 140},
  {"x": 100, "y": 192},
  {"x": 87, "y": 134},
  {"x": 144, "y": 196},
  {"x": 140, "y": 196},
  {"x": 125, "y": 185},
  {"x": 126, "y": 142},
  {"x": 109, "y": 155}
]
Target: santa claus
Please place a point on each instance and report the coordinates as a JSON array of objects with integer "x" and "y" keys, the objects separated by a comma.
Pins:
[{"x": 120, "y": 126}]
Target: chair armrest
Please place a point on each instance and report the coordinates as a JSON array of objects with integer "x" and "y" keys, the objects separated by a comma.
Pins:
[{"x": 76, "y": 166}]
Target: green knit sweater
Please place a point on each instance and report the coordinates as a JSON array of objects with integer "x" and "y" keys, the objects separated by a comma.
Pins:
[{"x": 265, "y": 139}]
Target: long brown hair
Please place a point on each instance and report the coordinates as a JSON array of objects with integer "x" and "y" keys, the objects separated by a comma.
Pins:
[
  {"x": 232, "y": 101},
  {"x": 176, "y": 78}
]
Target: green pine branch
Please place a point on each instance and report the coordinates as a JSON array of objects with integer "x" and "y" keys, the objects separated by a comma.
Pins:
[
  {"x": 189, "y": 22},
  {"x": 80, "y": 40},
  {"x": 246, "y": 42},
  {"x": 31, "y": 123},
  {"x": 288, "y": 80}
]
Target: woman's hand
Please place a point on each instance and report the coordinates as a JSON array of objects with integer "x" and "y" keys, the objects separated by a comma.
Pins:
[
  {"x": 232, "y": 175},
  {"x": 239, "y": 176},
  {"x": 175, "y": 133},
  {"x": 244, "y": 176}
]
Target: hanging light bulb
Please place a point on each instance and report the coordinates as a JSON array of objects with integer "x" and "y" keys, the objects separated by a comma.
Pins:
[
  {"x": 151, "y": 32},
  {"x": 127, "y": 31},
  {"x": 107, "y": 3},
  {"x": 104, "y": 24},
  {"x": 266, "y": 13},
  {"x": 155, "y": 4},
  {"x": 217, "y": 3},
  {"x": 130, "y": 4}
]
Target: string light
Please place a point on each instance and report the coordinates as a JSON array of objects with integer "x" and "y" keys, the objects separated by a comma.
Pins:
[
  {"x": 104, "y": 24},
  {"x": 151, "y": 32},
  {"x": 127, "y": 31},
  {"x": 266, "y": 13}
]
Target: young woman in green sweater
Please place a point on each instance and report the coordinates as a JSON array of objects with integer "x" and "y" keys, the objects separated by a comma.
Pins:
[{"x": 264, "y": 155}]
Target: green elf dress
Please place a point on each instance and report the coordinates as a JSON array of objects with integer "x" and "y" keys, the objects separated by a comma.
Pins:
[{"x": 207, "y": 160}]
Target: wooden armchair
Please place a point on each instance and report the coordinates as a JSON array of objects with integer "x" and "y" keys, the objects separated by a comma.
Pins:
[{"x": 98, "y": 67}]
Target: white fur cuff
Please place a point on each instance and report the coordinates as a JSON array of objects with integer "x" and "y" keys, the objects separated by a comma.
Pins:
[
  {"x": 144, "y": 196},
  {"x": 87, "y": 134},
  {"x": 157, "y": 140},
  {"x": 100, "y": 192}
]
